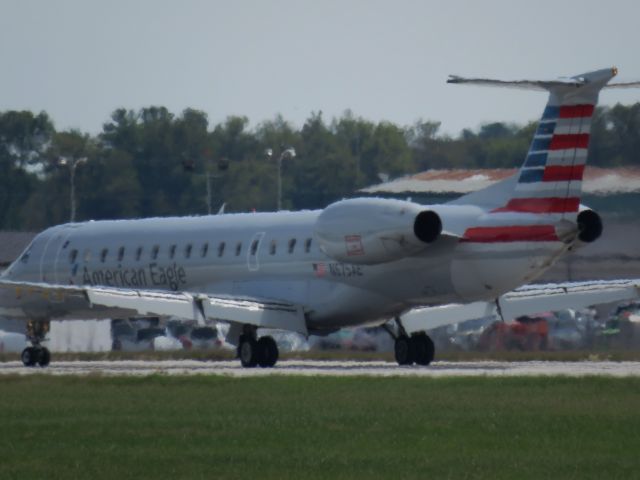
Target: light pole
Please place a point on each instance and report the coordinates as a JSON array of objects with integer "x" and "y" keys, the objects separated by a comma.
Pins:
[
  {"x": 287, "y": 153},
  {"x": 72, "y": 163}
]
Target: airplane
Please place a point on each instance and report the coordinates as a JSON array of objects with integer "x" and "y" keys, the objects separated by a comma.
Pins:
[{"x": 359, "y": 261}]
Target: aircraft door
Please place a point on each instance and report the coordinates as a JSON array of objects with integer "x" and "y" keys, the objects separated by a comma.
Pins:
[{"x": 253, "y": 262}]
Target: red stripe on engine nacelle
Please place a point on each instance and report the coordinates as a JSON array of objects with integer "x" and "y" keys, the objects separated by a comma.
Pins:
[
  {"x": 563, "y": 142},
  {"x": 576, "y": 111},
  {"x": 541, "y": 205},
  {"x": 562, "y": 174},
  {"x": 529, "y": 233}
]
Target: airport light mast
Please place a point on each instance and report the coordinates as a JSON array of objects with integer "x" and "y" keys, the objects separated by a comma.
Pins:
[
  {"x": 287, "y": 153},
  {"x": 72, "y": 164}
]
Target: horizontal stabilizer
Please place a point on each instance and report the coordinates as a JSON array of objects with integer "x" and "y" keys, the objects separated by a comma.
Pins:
[
  {"x": 623, "y": 85},
  {"x": 547, "y": 85},
  {"x": 541, "y": 85}
]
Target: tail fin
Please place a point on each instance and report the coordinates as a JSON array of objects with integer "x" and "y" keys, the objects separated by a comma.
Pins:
[{"x": 550, "y": 180}]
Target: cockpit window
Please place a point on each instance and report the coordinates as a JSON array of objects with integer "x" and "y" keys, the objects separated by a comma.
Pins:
[
  {"x": 307, "y": 245},
  {"x": 73, "y": 255},
  {"x": 25, "y": 256}
]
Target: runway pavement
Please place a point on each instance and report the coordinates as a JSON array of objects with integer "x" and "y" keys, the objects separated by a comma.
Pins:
[{"x": 328, "y": 368}]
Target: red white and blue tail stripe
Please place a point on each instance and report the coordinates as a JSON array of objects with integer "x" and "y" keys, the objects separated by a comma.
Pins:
[
  {"x": 550, "y": 181},
  {"x": 548, "y": 186}
]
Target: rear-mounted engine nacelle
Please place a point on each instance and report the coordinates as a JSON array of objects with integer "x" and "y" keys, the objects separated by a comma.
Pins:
[
  {"x": 375, "y": 230},
  {"x": 589, "y": 226}
]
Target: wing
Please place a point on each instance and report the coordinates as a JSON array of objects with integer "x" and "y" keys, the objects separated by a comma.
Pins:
[
  {"x": 59, "y": 302},
  {"x": 525, "y": 300}
]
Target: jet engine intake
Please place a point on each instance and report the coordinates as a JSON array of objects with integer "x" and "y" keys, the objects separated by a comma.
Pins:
[
  {"x": 589, "y": 226},
  {"x": 370, "y": 231}
]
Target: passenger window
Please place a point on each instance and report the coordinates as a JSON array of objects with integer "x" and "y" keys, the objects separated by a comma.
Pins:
[
  {"x": 120, "y": 254},
  {"x": 172, "y": 251},
  {"x": 103, "y": 255},
  {"x": 205, "y": 250},
  {"x": 154, "y": 252},
  {"x": 73, "y": 255},
  {"x": 272, "y": 247},
  {"x": 254, "y": 247},
  {"x": 87, "y": 255},
  {"x": 238, "y": 248},
  {"x": 307, "y": 245},
  {"x": 292, "y": 245},
  {"x": 221, "y": 249},
  {"x": 187, "y": 251},
  {"x": 139, "y": 253}
]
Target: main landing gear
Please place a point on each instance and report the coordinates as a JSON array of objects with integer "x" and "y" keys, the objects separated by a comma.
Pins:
[
  {"x": 417, "y": 348},
  {"x": 36, "y": 353},
  {"x": 254, "y": 351}
]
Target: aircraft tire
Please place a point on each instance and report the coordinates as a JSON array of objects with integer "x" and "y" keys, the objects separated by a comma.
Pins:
[
  {"x": 267, "y": 352},
  {"x": 404, "y": 350},
  {"x": 248, "y": 352},
  {"x": 29, "y": 357},
  {"x": 423, "y": 348},
  {"x": 44, "y": 357}
]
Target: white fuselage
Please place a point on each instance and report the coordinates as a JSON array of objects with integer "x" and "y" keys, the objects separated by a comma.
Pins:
[{"x": 276, "y": 256}]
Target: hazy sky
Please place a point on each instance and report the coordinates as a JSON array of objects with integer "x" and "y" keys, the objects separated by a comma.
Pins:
[{"x": 385, "y": 60}]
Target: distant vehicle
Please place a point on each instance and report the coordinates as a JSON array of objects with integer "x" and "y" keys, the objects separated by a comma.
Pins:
[
  {"x": 466, "y": 335},
  {"x": 204, "y": 338},
  {"x": 622, "y": 329},
  {"x": 356, "y": 339},
  {"x": 134, "y": 335},
  {"x": 357, "y": 262},
  {"x": 525, "y": 333}
]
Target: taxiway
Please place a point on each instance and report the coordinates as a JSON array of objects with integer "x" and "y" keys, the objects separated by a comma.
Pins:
[{"x": 329, "y": 368}]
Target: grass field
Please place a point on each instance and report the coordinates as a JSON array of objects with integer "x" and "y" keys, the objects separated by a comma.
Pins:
[{"x": 317, "y": 428}]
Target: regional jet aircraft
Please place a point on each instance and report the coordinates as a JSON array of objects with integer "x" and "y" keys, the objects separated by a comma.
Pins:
[{"x": 358, "y": 261}]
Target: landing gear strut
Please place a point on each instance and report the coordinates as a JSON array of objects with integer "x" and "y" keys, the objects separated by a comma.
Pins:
[
  {"x": 417, "y": 348},
  {"x": 36, "y": 353},
  {"x": 253, "y": 351}
]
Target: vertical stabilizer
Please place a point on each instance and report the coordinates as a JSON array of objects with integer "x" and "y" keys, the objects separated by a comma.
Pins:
[{"x": 550, "y": 180}]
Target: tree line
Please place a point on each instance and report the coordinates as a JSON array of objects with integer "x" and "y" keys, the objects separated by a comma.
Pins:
[{"x": 152, "y": 162}]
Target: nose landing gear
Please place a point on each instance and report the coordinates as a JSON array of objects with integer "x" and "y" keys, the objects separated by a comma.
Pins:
[{"x": 36, "y": 353}]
